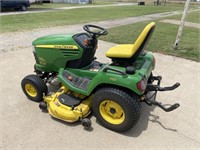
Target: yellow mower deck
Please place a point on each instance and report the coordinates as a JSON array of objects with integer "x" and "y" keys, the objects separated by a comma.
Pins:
[{"x": 64, "y": 112}]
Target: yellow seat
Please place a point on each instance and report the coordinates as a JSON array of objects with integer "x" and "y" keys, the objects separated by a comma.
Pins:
[
  {"x": 122, "y": 51},
  {"x": 129, "y": 50}
]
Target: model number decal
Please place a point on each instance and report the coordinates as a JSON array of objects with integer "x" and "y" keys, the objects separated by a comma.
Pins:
[
  {"x": 42, "y": 61},
  {"x": 58, "y": 46},
  {"x": 113, "y": 79}
]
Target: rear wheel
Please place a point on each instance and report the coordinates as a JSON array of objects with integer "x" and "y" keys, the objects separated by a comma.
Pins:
[
  {"x": 116, "y": 109},
  {"x": 34, "y": 87}
]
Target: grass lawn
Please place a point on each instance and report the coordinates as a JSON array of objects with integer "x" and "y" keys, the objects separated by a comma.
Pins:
[
  {"x": 162, "y": 40},
  {"x": 30, "y": 21},
  {"x": 191, "y": 17}
]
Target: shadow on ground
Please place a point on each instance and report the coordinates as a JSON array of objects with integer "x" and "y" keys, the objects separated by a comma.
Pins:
[{"x": 147, "y": 116}]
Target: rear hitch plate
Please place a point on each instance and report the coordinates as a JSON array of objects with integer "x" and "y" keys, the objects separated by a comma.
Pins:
[{"x": 155, "y": 88}]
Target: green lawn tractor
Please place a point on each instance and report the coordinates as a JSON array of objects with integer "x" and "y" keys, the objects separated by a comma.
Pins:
[{"x": 112, "y": 92}]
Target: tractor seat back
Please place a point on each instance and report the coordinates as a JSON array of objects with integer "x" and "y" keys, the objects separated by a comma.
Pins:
[{"x": 129, "y": 52}]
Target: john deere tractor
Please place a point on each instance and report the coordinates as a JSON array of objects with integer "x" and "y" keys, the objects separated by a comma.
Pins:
[{"x": 112, "y": 92}]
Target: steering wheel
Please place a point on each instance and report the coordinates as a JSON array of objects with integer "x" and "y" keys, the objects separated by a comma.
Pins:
[{"x": 101, "y": 31}]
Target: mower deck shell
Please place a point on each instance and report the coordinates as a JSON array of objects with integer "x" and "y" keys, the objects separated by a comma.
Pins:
[{"x": 64, "y": 112}]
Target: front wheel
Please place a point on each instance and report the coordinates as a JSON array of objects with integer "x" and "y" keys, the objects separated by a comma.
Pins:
[
  {"x": 116, "y": 109},
  {"x": 34, "y": 87}
]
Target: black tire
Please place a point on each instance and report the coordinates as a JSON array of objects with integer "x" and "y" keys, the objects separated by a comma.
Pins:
[
  {"x": 119, "y": 102},
  {"x": 34, "y": 87},
  {"x": 86, "y": 123},
  {"x": 43, "y": 106}
]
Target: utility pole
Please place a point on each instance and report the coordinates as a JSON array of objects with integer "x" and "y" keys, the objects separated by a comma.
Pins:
[{"x": 180, "y": 30}]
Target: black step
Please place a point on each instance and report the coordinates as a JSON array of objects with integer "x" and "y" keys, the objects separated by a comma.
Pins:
[{"x": 69, "y": 100}]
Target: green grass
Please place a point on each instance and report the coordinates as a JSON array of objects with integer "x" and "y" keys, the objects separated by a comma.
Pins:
[
  {"x": 193, "y": 16},
  {"x": 84, "y": 15},
  {"x": 162, "y": 41}
]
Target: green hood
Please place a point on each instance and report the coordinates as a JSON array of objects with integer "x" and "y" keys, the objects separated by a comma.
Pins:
[{"x": 59, "y": 39}]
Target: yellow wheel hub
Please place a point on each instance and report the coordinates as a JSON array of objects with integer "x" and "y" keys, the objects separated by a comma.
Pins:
[
  {"x": 30, "y": 89},
  {"x": 112, "y": 112}
]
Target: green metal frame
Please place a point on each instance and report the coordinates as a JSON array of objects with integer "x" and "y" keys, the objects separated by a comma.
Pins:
[{"x": 52, "y": 59}]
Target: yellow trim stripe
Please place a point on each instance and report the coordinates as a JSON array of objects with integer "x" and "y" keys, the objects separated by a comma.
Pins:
[{"x": 57, "y": 46}]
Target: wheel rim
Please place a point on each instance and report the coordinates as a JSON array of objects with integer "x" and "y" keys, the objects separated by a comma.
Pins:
[
  {"x": 23, "y": 8},
  {"x": 30, "y": 90},
  {"x": 112, "y": 112}
]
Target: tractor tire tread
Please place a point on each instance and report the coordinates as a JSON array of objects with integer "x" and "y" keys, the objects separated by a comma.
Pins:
[
  {"x": 38, "y": 83},
  {"x": 130, "y": 101}
]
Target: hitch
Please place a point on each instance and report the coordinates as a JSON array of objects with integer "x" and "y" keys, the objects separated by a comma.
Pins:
[
  {"x": 166, "y": 109},
  {"x": 155, "y": 88},
  {"x": 151, "y": 87}
]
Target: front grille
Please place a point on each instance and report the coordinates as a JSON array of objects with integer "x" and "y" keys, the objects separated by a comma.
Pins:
[
  {"x": 70, "y": 52},
  {"x": 36, "y": 59}
]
